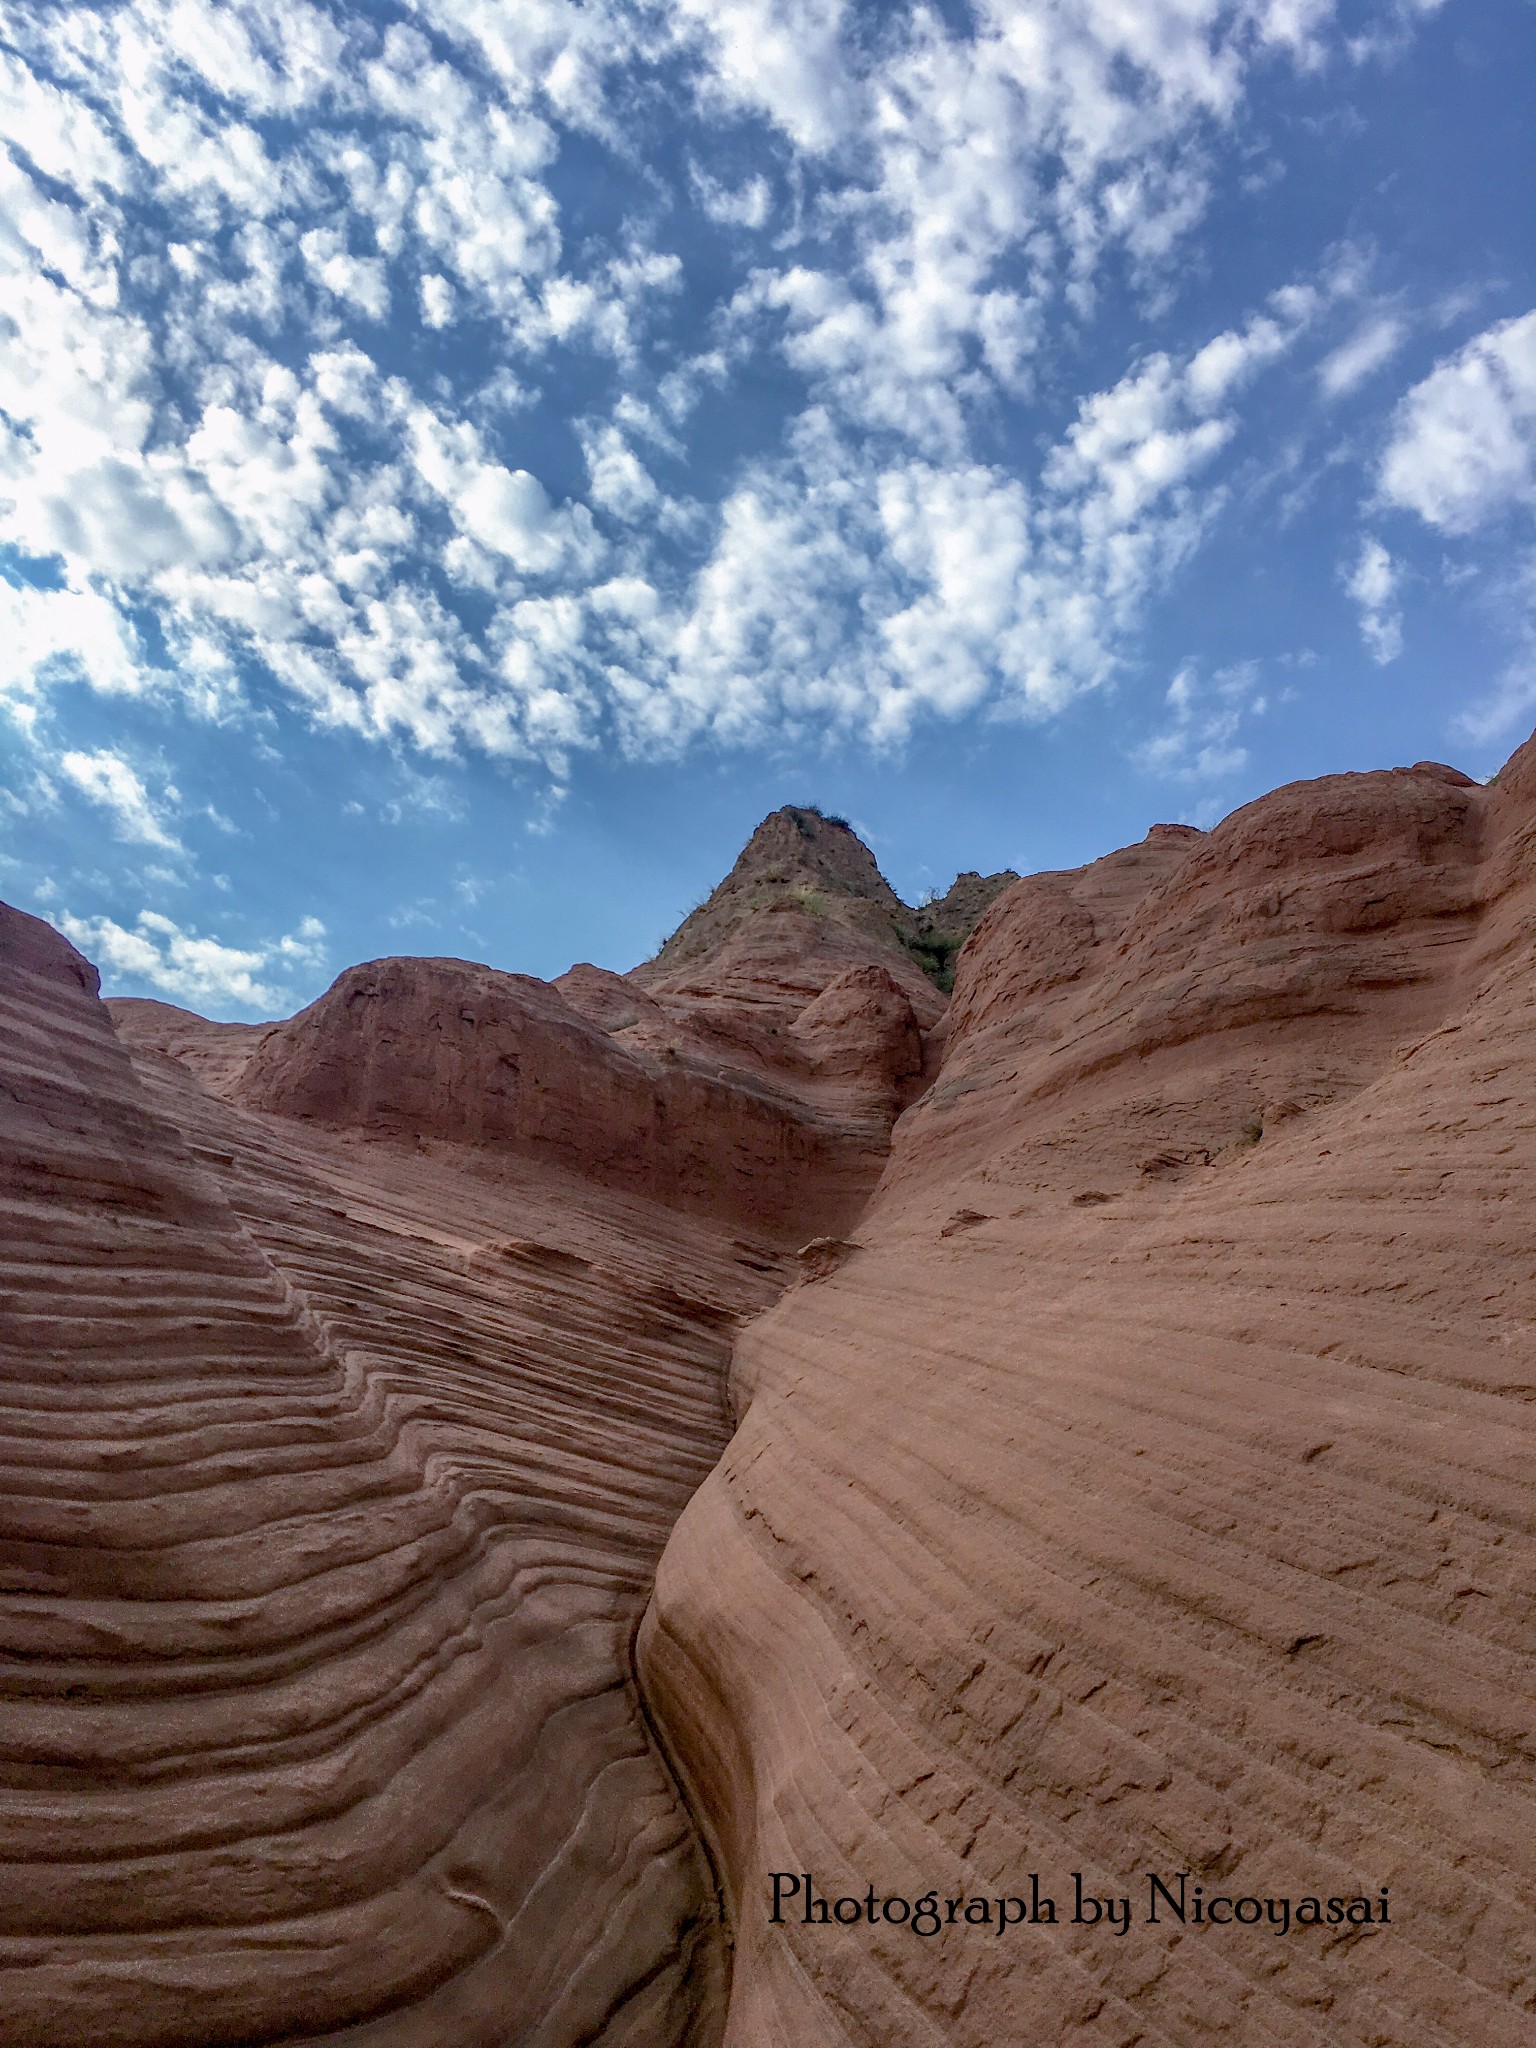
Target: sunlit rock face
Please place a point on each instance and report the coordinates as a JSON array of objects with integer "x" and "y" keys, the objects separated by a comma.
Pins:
[
  {"x": 1149, "y": 1493},
  {"x": 356, "y": 1368},
  {"x": 502, "y": 1477},
  {"x": 337, "y": 1473}
]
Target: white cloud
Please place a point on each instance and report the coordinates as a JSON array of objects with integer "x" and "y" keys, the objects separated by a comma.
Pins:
[
  {"x": 1361, "y": 356},
  {"x": 1463, "y": 445},
  {"x": 360, "y": 280},
  {"x": 987, "y": 176},
  {"x": 747, "y": 205},
  {"x": 781, "y": 58},
  {"x": 168, "y": 462},
  {"x": 965, "y": 540},
  {"x": 1225, "y": 364},
  {"x": 507, "y": 511},
  {"x": 199, "y": 429},
  {"x": 60, "y": 133},
  {"x": 862, "y": 595},
  {"x": 1199, "y": 743},
  {"x": 1297, "y": 25},
  {"x": 420, "y": 796},
  {"x": 549, "y": 49},
  {"x": 52, "y": 634},
  {"x": 277, "y": 59},
  {"x": 1134, "y": 443},
  {"x": 542, "y": 662},
  {"x": 619, "y": 481},
  {"x": 1373, "y": 584},
  {"x": 27, "y": 794},
  {"x": 108, "y": 780},
  {"x": 402, "y": 646},
  {"x": 762, "y": 640},
  {"x": 437, "y": 301},
  {"x": 203, "y": 972},
  {"x": 38, "y": 227},
  {"x": 1387, "y": 37}
]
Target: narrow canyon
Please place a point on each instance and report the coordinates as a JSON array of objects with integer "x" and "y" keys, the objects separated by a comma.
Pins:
[{"x": 498, "y": 1476}]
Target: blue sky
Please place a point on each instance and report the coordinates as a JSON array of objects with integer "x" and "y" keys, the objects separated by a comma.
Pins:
[{"x": 462, "y": 462}]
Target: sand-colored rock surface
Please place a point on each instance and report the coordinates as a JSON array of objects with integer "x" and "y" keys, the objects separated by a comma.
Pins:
[
  {"x": 444, "y": 1049},
  {"x": 335, "y": 1473},
  {"x": 1152, "y": 1492},
  {"x": 799, "y": 873},
  {"x": 355, "y": 1369},
  {"x": 804, "y": 905},
  {"x": 804, "y": 974},
  {"x": 1141, "y": 1481}
]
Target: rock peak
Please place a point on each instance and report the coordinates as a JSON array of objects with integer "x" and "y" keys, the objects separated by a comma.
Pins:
[
  {"x": 800, "y": 859},
  {"x": 801, "y": 840}
]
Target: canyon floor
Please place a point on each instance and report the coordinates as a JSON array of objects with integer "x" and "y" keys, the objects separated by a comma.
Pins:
[{"x": 501, "y": 1476}]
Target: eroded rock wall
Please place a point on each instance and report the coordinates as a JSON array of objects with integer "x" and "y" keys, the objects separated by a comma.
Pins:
[
  {"x": 334, "y": 1477},
  {"x": 445, "y": 1050},
  {"x": 1145, "y": 1488},
  {"x": 1151, "y": 1493}
]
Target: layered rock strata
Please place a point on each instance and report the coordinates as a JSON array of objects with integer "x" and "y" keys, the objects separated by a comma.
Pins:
[
  {"x": 803, "y": 928},
  {"x": 502, "y": 1062},
  {"x": 354, "y": 1371},
  {"x": 1140, "y": 1484},
  {"x": 1150, "y": 1490},
  {"x": 335, "y": 1474}
]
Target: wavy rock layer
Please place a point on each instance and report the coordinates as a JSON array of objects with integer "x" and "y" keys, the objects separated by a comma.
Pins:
[
  {"x": 1151, "y": 1491},
  {"x": 335, "y": 1473},
  {"x": 1146, "y": 1487}
]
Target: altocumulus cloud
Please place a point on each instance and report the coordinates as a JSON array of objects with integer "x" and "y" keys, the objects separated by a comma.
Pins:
[
  {"x": 1463, "y": 446},
  {"x": 1461, "y": 456},
  {"x": 1372, "y": 583},
  {"x": 106, "y": 779},
  {"x": 201, "y": 971},
  {"x": 314, "y": 401}
]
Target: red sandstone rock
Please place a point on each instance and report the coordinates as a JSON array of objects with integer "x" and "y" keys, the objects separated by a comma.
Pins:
[
  {"x": 215, "y": 1053},
  {"x": 443, "y": 1050},
  {"x": 804, "y": 903},
  {"x": 613, "y": 1002},
  {"x": 1146, "y": 1488},
  {"x": 862, "y": 1028},
  {"x": 333, "y": 1479},
  {"x": 1112, "y": 1522}
]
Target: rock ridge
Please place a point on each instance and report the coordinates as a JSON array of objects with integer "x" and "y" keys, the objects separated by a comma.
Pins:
[
  {"x": 494, "y": 1468},
  {"x": 1152, "y": 1490},
  {"x": 800, "y": 864}
]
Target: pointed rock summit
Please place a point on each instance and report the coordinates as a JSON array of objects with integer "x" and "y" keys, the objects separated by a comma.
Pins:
[
  {"x": 798, "y": 859},
  {"x": 802, "y": 865}
]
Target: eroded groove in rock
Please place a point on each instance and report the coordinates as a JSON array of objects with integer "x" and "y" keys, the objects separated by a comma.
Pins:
[{"x": 1151, "y": 1491}]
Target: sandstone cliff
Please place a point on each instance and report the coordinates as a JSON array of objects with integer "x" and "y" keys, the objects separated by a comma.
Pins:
[
  {"x": 335, "y": 1478},
  {"x": 1151, "y": 1491},
  {"x": 1137, "y": 1479}
]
